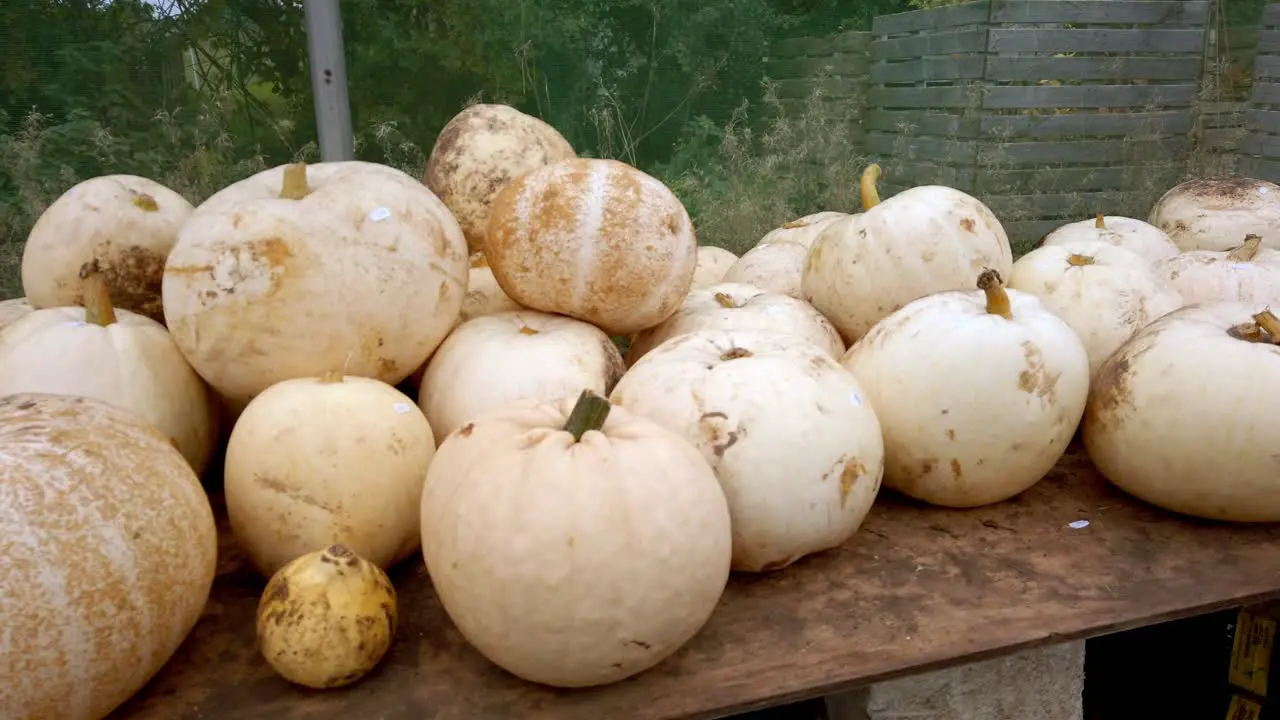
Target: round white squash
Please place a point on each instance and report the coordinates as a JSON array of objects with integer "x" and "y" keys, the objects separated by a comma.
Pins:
[
  {"x": 1104, "y": 292},
  {"x": 1178, "y": 415},
  {"x": 484, "y": 295},
  {"x": 109, "y": 554},
  {"x": 480, "y": 151},
  {"x": 736, "y": 306},
  {"x": 791, "y": 435},
  {"x": 1214, "y": 213},
  {"x": 1146, "y": 240},
  {"x": 494, "y": 360},
  {"x": 300, "y": 269},
  {"x": 924, "y": 240},
  {"x": 611, "y": 546},
  {"x": 125, "y": 222},
  {"x": 13, "y": 310},
  {"x": 116, "y": 356},
  {"x": 597, "y": 240},
  {"x": 978, "y": 394},
  {"x": 1249, "y": 273},
  {"x": 713, "y": 263},
  {"x": 313, "y": 462},
  {"x": 801, "y": 230},
  {"x": 776, "y": 267}
]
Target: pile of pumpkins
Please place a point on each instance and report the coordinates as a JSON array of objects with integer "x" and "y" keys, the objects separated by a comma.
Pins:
[{"x": 400, "y": 368}]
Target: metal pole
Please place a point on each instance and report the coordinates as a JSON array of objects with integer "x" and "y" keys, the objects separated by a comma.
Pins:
[{"x": 329, "y": 80}]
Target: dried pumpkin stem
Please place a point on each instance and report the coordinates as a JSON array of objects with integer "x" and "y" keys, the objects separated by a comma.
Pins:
[
  {"x": 1269, "y": 322},
  {"x": 725, "y": 301},
  {"x": 1078, "y": 260},
  {"x": 1099, "y": 224},
  {"x": 997, "y": 299},
  {"x": 98, "y": 309},
  {"x": 870, "y": 196},
  {"x": 1247, "y": 251},
  {"x": 589, "y": 413},
  {"x": 295, "y": 185}
]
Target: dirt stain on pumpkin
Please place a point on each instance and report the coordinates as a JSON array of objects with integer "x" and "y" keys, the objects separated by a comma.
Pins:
[
  {"x": 717, "y": 436},
  {"x": 957, "y": 472},
  {"x": 853, "y": 469},
  {"x": 1036, "y": 378},
  {"x": 967, "y": 224},
  {"x": 134, "y": 276}
]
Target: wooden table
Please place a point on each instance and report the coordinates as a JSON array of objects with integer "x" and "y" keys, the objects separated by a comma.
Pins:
[{"x": 918, "y": 588}]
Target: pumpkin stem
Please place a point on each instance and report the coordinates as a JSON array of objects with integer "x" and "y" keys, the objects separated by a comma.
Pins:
[
  {"x": 1269, "y": 322},
  {"x": 870, "y": 196},
  {"x": 1078, "y": 260},
  {"x": 295, "y": 182},
  {"x": 97, "y": 299},
  {"x": 1247, "y": 251},
  {"x": 997, "y": 299},
  {"x": 725, "y": 301},
  {"x": 1099, "y": 224},
  {"x": 589, "y": 413}
]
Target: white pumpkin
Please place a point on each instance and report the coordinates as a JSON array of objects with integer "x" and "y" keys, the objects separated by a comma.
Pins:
[
  {"x": 313, "y": 462},
  {"x": 1179, "y": 417},
  {"x": 713, "y": 263},
  {"x": 1249, "y": 273},
  {"x": 109, "y": 554},
  {"x": 924, "y": 240},
  {"x": 1214, "y": 213},
  {"x": 736, "y": 306},
  {"x": 802, "y": 230},
  {"x": 300, "y": 269},
  {"x": 776, "y": 267},
  {"x": 484, "y": 295},
  {"x": 977, "y": 393},
  {"x": 1103, "y": 291},
  {"x": 1146, "y": 240},
  {"x": 13, "y": 310},
  {"x": 116, "y": 356},
  {"x": 128, "y": 224},
  {"x": 597, "y": 240},
  {"x": 573, "y": 545},
  {"x": 496, "y": 359},
  {"x": 482, "y": 149},
  {"x": 791, "y": 435}
]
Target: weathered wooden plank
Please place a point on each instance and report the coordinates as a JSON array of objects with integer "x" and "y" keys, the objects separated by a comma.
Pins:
[
  {"x": 1003, "y": 40},
  {"x": 1269, "y": 42},
  {"x": 1266, "y": 93},
  {"x": 922, "y": 123},
  {"x": 1025, "y": 234},
  {"x": 1062, "y": 205},
  {"x": 1114, "y": 178},
  {"x": 909, "y": 174},
  {"x": 1271, "y": 15},
  {"x": 1260, "y": 144},
  {"x": 833, "y": 87},
  {"x": 1265, "y": 121},
  {"x": 935, "y": 150},
  {"x": 933, "y": 19},
  {"x": 1261, "y": 168},
  {"x": 1091, "y": 96},
  {"x": 848, "y": 42},
  {"x": 1266, "y": 66},
  {"x": 1221, "y": 139},
  {"x": 1034, "y": 68},
  {"x": 1086, "y": 124},
  {"x": 946, "y": 42},
  {"x": 1217, "y": 121},
  {"x": 926, "y": 97},
  {"x": 1118, "y": 12},
  {"x": 802, "y": 68},
  {"x": 929, "y": 69},
  {"x": 1078, "y": 152}
]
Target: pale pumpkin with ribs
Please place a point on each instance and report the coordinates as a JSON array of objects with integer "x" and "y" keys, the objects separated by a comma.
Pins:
[{"x": 1248, "y": 273}]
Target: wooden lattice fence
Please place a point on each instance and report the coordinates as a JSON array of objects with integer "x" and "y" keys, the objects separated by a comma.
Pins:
[{"x": 1260, "y": 149}]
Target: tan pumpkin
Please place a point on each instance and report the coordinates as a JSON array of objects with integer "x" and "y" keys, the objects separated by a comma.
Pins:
[
  {"x": 497, "y": 359},
  {"x": 735, "y": 306},
  {"x": 924, "y": 240},
  {"x": 597, "y": 240},
  {"x": 480, "y": 151},
  {"x": 1147, "y": 241},
  {"x": 1214, "y": 213},
  {"x": 620, "y": 531},
  {"x": 125, "y": 222},
  {"x": 712, "y": 264},
  {"x": 1249, "y": 273},
  {"x": 109, "y": 554},
  {"x": 300, "y": 269},
  {"x": 116, "y": 356}
]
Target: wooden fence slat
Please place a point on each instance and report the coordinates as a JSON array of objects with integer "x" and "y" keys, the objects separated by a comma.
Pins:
[
  {"x": 1025, "y": 233},
  {"x": 1010, "y": 97},
  {"x": 1271, "y": 15},
  {"x": 1218, "y": 140},
  {"x": 1034, "y": 69},
  {"x": 1117, "y": 12},
  {"x": 932, "y": 19},
  {"x": 1266, "y": 93},
  {"x": 945, "y": 151},
  {"x": 918, "y": 173},
  {"x": 928, "y": 69},
  {"x": 1071, "y": 179},
  {"x": 1094, "y": 40},
  {"x": 1063, "y": 205},
  {"x": 1166, "y": 122},
  {"x": 848, "y": 42},
  {"x": 925, "y": 97},
  {"x": 808, "y": 67},
  {"x": 1265, "y": 121},
  {"x": 947, "y": 42},
  {"x": 1078, "y": 152},
  {"x": 921, "y": 123},
  {"x": 1266, "y": 66},
  {"x": 1269, "y": 42},
  {"x": 1267, "y": 146},
  {"x": 1261, "y": 168},
  {"x": 834, "y": 87}
]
